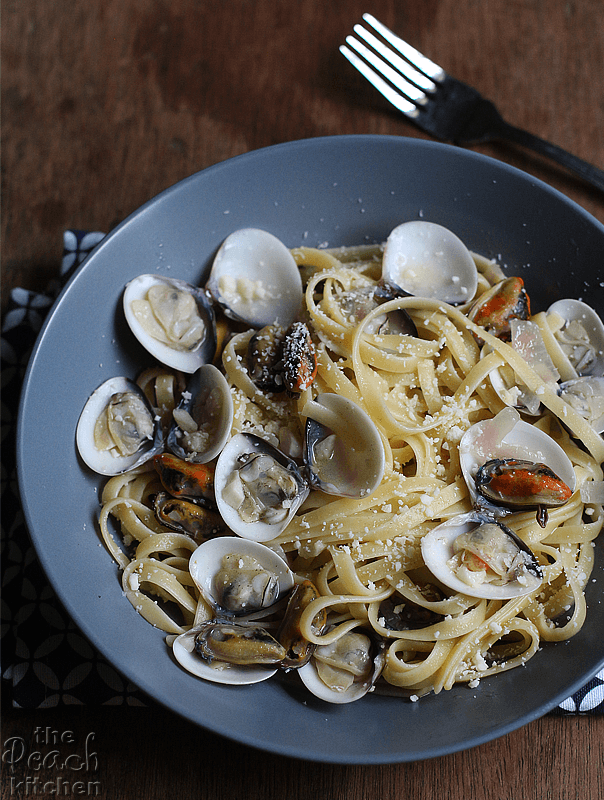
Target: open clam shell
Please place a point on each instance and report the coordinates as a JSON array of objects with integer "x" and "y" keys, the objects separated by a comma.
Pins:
[
  {"x": 507, "y": 436},
  {"x": 258, "y": 488},
  {"x": 428, "y": 260},
  {"x": 203, "y": 418},
  {"x": 139, "y": 425},
  {"x": 239, "y": 577},
  {"x": 182, "y": 339},
  {"x": 581, "y": 350},
  {"x": 343, "y": 448},
  {"x": 439, "y": 550},
  {"x": 369, "y": 664},
  {"x": 586, "y": 396},
  {"x": 255, "y": 278}
]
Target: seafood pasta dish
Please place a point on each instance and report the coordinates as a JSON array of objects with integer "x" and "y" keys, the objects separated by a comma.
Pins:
[{"x": 370, "y": 468}]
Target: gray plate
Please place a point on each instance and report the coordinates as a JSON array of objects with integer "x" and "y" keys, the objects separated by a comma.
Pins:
[{"x": 340, "y": 190}]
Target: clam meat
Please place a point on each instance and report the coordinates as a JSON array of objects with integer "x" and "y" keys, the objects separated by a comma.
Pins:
[
  {"x": 238, "y": 577},
  {"x": 580, "y": 336},
  {"x": 117, "y": 429},
  {"x": 343, "y": 448},
  {"x": 203, "y": 418},
  {"x": 345, "y": 669},
  {"x": 258, "y": 488},
  {"x": 586, "y": 396},
  {"x": 479, "y": 556},
  {"x": 172, "y": 319}
]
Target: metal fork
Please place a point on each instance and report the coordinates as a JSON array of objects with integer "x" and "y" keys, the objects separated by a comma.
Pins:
[{"x": 439, "y": 104}]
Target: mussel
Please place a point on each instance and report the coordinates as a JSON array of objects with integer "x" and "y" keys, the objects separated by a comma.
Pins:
[
  {"x": 489, "y": 444},
  {"x": 519, "y": 484},
  {"x": 299, "y": 649},
  {"x": 184, "y": 478},
  {"x": 187, "y": 516},
  {"x": 503, "y": 302}
]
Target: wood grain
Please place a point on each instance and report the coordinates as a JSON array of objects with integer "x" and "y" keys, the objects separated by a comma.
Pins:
[{"x": 107, "y": 102}]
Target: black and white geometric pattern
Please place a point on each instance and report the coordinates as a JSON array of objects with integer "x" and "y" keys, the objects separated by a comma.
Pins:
[{"x": 45, "y": 659}]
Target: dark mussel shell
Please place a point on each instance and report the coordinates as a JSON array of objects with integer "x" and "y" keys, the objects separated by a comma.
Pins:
[
  {"x": 184, "y": 478},
  {"x": 518, "y": 484},
  {"x": 186, "y": 516}
]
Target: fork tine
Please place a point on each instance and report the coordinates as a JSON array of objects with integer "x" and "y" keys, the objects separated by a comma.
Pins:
[
  {"x": 418, "y": 78},
  {"x": 410, "y": 91},
  {"x": 394, "y": 97},
  {"x": 412, "y": 55}
]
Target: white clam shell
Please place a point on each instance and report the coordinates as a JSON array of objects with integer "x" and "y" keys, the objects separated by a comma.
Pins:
[
  {"x": 591, "y": 389},
  {"x": 437, "y": 549},
  {"x": 571, "y": 309},
  {"x": 356, "y": 467},
  {"x": 183, "y": 648},
  {"x": 210, "y": 405},
  {"x": 206, "y": 561},
  {"x": 429, "y": 260},
  {"x": 255, "y": 278},
  {"x": 358, "y": 689},
  {"x": 259, "y": 531},
  {"x": 102, "y": 461},
  {"x": 507, "y": 436},
  {"x": 185, "y": 361}
]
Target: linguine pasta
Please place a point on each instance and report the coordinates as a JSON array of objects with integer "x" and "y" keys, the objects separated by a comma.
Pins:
[{"x": 364, "y": 554}]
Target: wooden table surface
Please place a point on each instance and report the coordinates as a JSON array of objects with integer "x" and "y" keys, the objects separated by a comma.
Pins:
[{"x": 108, "y": 102}]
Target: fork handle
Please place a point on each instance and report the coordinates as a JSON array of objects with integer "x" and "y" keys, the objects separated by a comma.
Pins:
[{"x": 586, "y": 171}]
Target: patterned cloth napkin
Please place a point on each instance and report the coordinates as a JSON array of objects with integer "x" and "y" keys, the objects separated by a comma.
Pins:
[{"x": 46, "y": 661}]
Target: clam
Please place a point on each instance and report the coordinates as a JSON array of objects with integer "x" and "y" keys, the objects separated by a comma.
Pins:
[
  {"x": 487, "y": 452},
  {"x": 357, "y": 303},
  {"x": 526, "y": 338},
  {"x": 586, "y": 396},
  {"x": 239, "y": 577},
  {"x": 172, "y": 319},
  {"x": 258, "y": 488},
  {"x": 428, "y": 260},
  {"x": 476, "y": 555},
  {"x": 580, "y": 337},
  {"x": 255, "y": 279},
  {"x": 346, "y": 669},
  {"x": 343, "y": 448},
  {"x": 203, "y": 418},
  {"x": 117, "y": 429}
]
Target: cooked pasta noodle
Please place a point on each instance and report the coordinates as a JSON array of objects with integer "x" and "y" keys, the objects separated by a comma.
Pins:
[{"x": 423, "y": 393}]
